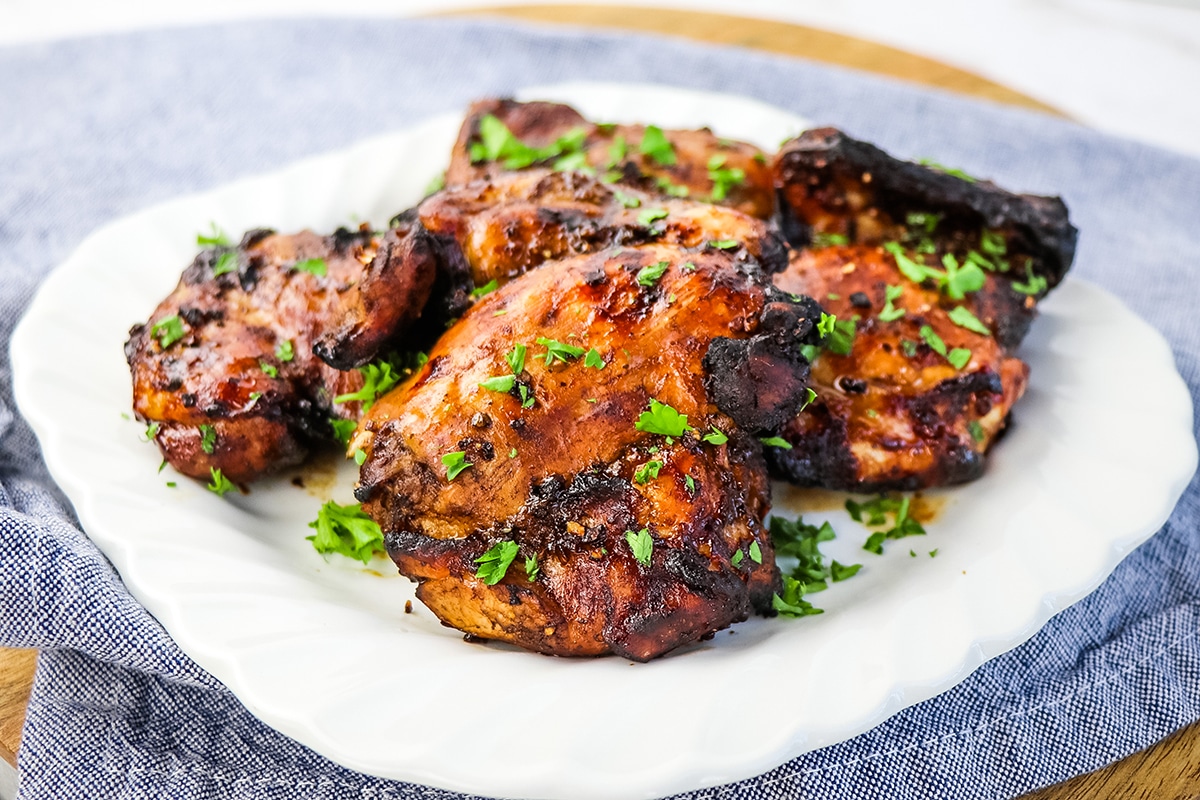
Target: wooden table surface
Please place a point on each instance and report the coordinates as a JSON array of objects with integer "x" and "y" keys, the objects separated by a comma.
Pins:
[{"x": 1169, "y": 770}]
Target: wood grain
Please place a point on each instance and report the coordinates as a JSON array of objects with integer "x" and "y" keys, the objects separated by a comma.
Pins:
[
  {"x": 1169, "y": 770},
  {"x": 16, "y": 679}
]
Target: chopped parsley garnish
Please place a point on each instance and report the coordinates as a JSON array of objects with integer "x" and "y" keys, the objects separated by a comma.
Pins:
[
  {"x": 795, "y": 539},
  {"x": 890, "y": 313},
  {"x": 777, "y": 441},
  {"x": 959, "y": 357},
  {"x": 360, "y": 456},
  {"x": 495, "y": 562},
  {"x": 150, "y": 432},
  {"x": 516, "y": 359},
  {"x": 593, "y": 359},
  {"x": 627, "y": 200},
  {"x": 663, "y": 420},
  {"x": 269, "y": 369},
  {"x": 313, "y": 266},
  {"x": 823, "y": 239},
  {"x": 574, "y": 162},
  {"x": 616, "y": 154},
  {"x": 641, "y": 544},
  {"x": 649, "y": 275},
  {"x": 809, "y": 396},
  {"x": 715, "y": 436},
  {"x": 436, "y": 184},
  {"x": 723, "y": 178},
  {"x": 647, "y": 472},
  {"x": 723, "y": 244},
  {"x": 958, "y": 281},
  {"x": 512, "y": 453},
  {"x": 498, "y": 143},
  {"x": 228, "y": 262},
  {"x": 909, "y": 347},
  {"x": 168, "y": 331},
  {"x": 1034, "y": 284},
  {"x": 792, "y": 603},
  {"x": 343, "y": 429},
  {"x": 487, "y": 288},
  {"x": 284, "y": 351},
  {"x": 957, "y": 173},
  {"x": 925, "y": 220},
  {"x": 501, "y": 383},
  {"x": 671, "y": 189},
  {"x": 527, "y": 398},
  {"x": 837, "y": 336},
  {"x": 690, "y": 483},
  {"x": 208, "y": 439},
  {"x": 219, "y": 485},
  {"x": 976, "y": 431},
  {"x": 378, "y": 378},
  {"x": 840, "y": 572},
  {"x": 215, "y": 238},
  {"x": 556, "y": 350},
  {"x": 531, "y": 568},
  {"x": 737, "y": 558},
  {"x": 652, "y": 215},
  {"x": 876, "y": 512},
  {"x": 688, "y": 266},
  {"x": 963, "y": 318},
  {"x": 347, "y": 531},
  {"x": 915, "y": 272},
  {"x": 656, "y": 145},
  {"x": 755, "y": 552},
  {"x": 455, "y": 463}
]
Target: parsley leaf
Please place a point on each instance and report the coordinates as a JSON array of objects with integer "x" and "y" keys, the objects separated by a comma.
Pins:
[
  {"x": 228, "y": 262},
  {"x": 498, "y": 143},
  {"x": 915, "y": 272},
  {"x": 455, "y": 463},
  {"x": 343, "y": 429},
  {"x": 656, "y": 145},
  {"x": 755, "y": 552},
  {"x": 208, "y": 439},
  {"x": 791, "y": 602},
  {"x": 649, "y": 275},
  {"x": 531, "y": 568},
  {"x": 269, "y": 369},
  {"x": 736, "y": 559},
  {"x": 663, "y": 420},
  {"x": 957, "y": 173},
  {"x": 825, "y": 239},
  {"x": 502, "y": 383},
  {"x": 723, "y": 178},
  {"x": 976, "y": 431},
  {"x": 558, "y": 350},
  {"x": 777, "y": 441},
  {"x": 168, "y": 331},
  {"x": 652, "y": 215},
  {"x": 933, "y": 340},
  {"x": 627, "y": 200},
  {"x": 495, "y": 562},
  {"x": 841, "y": 572},
  {"x": 219, "y": 485},
  {"x": 723, "y": 244},
  {"x": 593, "y": 359},
  {"x": 487, "y": 288},
  {"x": 378, "y": 378},
  {"x": 641, "y": 544},
  {"x": 963, "y": 318},
  {"x": 1034, "y": 284},
  {"x": 284, "y": 351},
  {"x": 216, "y": 237},
  {"x": 647, "y": 472},
  {"x": 837, "y": 336},
  {"x": 959, "y": 357},
  {"x": 347, "y": 531},
  {"x": 313, "y": 266},
  {"x": 715, "y": 436},
  {"x": 516, "y": 359},
  {"x": 890, "y": 313},
  {"x": 958, "y": 281}
]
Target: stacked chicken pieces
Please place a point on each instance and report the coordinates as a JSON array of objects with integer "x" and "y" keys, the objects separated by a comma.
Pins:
[{"x": 628, "y": 334}]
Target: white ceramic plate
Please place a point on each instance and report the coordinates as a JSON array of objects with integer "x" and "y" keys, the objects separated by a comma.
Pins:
[{"x": 324, "y": 652}]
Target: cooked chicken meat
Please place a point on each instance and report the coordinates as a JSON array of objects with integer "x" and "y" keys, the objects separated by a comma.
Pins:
[
  {"x": 502, "y": 135},
  {"x": 493, "y": 230},
  {"x": 224, "y": 371},
  {"x": 939, "y": 276},
  {"x": 575, "y": 471}
]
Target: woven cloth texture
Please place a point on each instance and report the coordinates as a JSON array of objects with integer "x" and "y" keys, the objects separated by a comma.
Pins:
[{"x": 94, "y": 129}]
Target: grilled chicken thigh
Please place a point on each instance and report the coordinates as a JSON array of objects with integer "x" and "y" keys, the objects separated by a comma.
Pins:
[
  {"x": 940, "y": 275},
  {"x": 224, "y": 371},
  {"x": 575, "y": 471},
  {"x": 499, "y": 136}
]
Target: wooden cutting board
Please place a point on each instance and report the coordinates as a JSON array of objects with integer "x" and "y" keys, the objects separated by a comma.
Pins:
[{"x": 1168, "y": 771}]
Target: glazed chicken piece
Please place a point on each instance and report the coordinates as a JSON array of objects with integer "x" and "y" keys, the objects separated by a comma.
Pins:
[
  {"x": 575, "y": 469},
  {"x": 494, "y": 230},
  {"x": 224, "y": 371},
  {"x": 498, "y": 136},
  {"x": 941, "y": 276}
]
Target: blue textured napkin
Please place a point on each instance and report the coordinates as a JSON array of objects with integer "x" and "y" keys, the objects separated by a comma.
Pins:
[{"x": 94, "y": 129}]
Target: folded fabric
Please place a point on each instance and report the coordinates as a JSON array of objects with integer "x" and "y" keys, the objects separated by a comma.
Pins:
[{"x": 97, "y": 128}]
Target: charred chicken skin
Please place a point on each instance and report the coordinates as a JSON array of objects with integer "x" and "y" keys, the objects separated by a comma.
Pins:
[
  {"x": 224, "y": 370},
  {"x": 499, "y": 136},
  {"x": 574, "y": 470},
  {"x": 939, "y": 276}
]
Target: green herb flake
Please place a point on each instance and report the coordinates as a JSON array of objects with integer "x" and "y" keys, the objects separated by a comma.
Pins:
[
  {"x": 227, "y": 262},
  {"x": 516, "y": 359},
  {"x": 1033, "y": 285},
  {"x": 493, "y": 564},
  {"x": 378, "y": 378},
  {"x": 959, "y": 357},
  {"x": 593, "y": 359},
  {"x": 208, "y": 439},
  {"x": 909, "y": 347},
  {"x": 755, "y": 552},
  {"x": 737, "y": 558},
  {"x": 150, "y": 432},
  {"x": 627, "y": 200},
  {"x": 219, "y": 485},
  {"x": 269, "y": 369},
  {"x": 347, "y": 531},
  {"x": 617, "y": 152},
  {"x": 933, "y": 340},
  {"x": 723, "y": 178},
  {"x": 531, "y": 568},
  {"x": 527, "y": 398},
  {"x": 652, "y": 215},
  {"x": 792, "y": 603},
  {"x": 487, "y": 288},
  {"x": 809, "y": 396},
  {"x": 284, "y": 351},
  {"x": 963, "y": 318},
  {"x": 976, "y": 431},
  {"x": 168, "y": 331},
  {"x": 214, "y": 238},
  {"x": 641, "y": 544},
  {"x": 924, "y": 220},
  {"x": 455, "y": 463},
  {"x": 827, "y": 239},
  {"x": 498, "y": 143},
  {"x": 841, "y": 572},
  {"x": 776, "y": 441},
  {"x": 663, "y": 420},
  {"x": 360, "y": 456},
  {"x": 343, "y": 430},
  {"x": 502, "y": 383},
  {"x": 690, "y": 483},
  {"x": 961, "y": 280},
  {"x": 715, "y": 436},
  {"x": 556, "y": 350},
  {"x": 957, "y": 173},
  {"x": 656, "y": 145},
  {"x": 890, "y": 313},
  {"x": 171, "y": 484},
  {"x": 436, "y": 184},
  {"x": 914, "y": 271},
  {"x": 837, "y": 336},
  {"x": 649, "y": 275},
  {"x": 313, "y": 266},
  {"x": 723, "y": 244},
  {"x": 647, "y": 472},
  {"x": 933, "y": 553},
  {"x": 512, "y": 453},
  {"x": 874, "y": 543}
]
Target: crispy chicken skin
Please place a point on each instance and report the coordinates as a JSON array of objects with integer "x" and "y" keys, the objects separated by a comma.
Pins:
[
  {"x": 564, "y": 475},
  {"x": 496, "y": 229},
  {"x": 619, "y": 149},
  {"x": 894, "y": 414},
  {"x": 884, "y": 419},
  {"x": 240, "y": 390}
]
